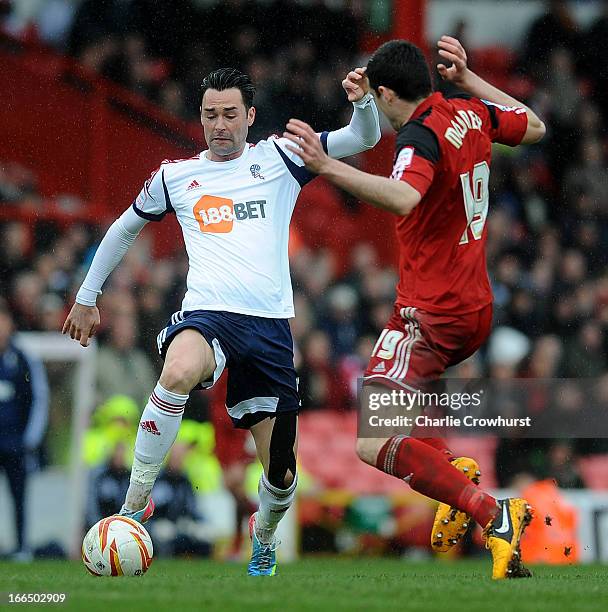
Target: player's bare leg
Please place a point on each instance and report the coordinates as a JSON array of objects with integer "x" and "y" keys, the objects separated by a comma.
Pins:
[
  {"x": 189, "y": 360},
  {"x": 276, "y": 443}
]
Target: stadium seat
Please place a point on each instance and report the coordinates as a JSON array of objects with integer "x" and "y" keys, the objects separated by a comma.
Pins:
[{"x": 327, "y": 451}]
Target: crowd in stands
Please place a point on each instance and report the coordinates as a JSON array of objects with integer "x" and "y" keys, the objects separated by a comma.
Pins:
[
  {"x": 297, "y": 69},
  {"x": 548, "y": 225}
]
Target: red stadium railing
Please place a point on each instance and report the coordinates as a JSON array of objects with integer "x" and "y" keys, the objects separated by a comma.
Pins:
[{"x": 81, "y": 133}]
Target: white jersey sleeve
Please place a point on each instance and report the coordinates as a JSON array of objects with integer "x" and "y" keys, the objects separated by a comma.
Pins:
[
  {"x": 119, "y": 237},
  {"x": 362, "y": 133},
  {"x": 153, "y": 201}
]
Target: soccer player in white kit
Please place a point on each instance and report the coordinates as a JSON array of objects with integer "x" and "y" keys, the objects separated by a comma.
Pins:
[{"x": 234, "y": 203}]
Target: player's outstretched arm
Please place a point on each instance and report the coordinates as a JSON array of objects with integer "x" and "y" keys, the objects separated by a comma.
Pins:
[
  {"x": 460, "y": 75},
  {"x": 394, "y": 196},
  {"x": 363, "y": 131},
  {"x": 83, "y": 320}
]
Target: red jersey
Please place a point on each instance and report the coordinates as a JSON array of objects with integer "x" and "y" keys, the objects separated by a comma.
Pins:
[{"x": 444, "y": 152}]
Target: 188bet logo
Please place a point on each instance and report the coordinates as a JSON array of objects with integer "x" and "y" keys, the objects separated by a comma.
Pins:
[{"x": 217, "y": 215}]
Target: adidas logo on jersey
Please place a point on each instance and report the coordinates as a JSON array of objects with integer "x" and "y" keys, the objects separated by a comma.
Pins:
[
  {"x": 193, "y": 185},
  {"x": 150, "y": 427},
  {"x": 380, "y": 367}
]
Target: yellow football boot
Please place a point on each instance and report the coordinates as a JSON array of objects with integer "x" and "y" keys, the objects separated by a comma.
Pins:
[
  {"x": 450, "y": 524},
  {"x": 502, "y": 536}
]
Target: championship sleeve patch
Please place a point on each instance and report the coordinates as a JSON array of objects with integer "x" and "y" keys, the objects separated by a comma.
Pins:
[
  {"x": 508, "y": 124},
  {"x": 518, "y": 110},
  {"x": 403, "y": 162}
]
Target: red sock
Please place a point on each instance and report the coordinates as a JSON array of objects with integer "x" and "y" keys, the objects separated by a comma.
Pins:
[
  {"x": 438, "y": 444},
  {"x": 422, "y": 433},
  {"x": 430, "y": 474}
]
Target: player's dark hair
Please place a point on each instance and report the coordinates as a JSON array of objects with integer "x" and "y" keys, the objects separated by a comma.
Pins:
[
  {"x": 228, "y": 78},
  {"x": 400, "y": 66}
]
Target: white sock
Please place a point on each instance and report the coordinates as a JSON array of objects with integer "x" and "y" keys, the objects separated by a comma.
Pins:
[
  {"x": 156, "y": 433},
  {"x": 273, "y": 505}
]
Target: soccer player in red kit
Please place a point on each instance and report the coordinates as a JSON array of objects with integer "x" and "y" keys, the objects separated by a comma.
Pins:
[{"x": 439, "y": 190}]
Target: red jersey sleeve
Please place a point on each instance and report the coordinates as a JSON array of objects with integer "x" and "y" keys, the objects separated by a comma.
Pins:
[
  {"x": 416, "y": 157},
  {"x": 508, "y": 124}
]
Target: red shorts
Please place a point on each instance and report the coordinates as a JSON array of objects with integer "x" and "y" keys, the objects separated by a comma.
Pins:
[{"x": 420, "y": 345}]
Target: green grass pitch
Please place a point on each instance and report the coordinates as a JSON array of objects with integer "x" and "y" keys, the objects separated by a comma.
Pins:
[{"x": 313, "y": 584}]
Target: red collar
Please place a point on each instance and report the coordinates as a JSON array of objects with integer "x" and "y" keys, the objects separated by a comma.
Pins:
[{"x": 426, "y": 104}]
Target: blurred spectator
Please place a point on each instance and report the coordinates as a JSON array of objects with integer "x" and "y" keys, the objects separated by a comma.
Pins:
[
  {"x": 235, "y": 451},
  {"x": 55, "y": 20},
  {"x": 562, "y": 468},
  {"x": 100, "y": 55},
  {"x": 129, "y": 41},
  {"x": 584, "y": 355},
  {"x": 351, "y": 367},
  {"x": 24, "y": 409},
  {"x": 563, "y": 87},
  {"x": 123, "y": 369},
  {"x": 546, "y": 358},
  {"x": 506, "y": 350},
  {"x": 341, "y": 322},
  {"x": 596, "y": 56},
  {"x": 171, "y": 98},
  {"x": 14, "y": 253},
  {"x": 5, "y": 9},
  {"x": 589, "y": 175},
  {"x": 524, "y": 314},
  {"x": 51, "y": 313},
  {"x": 556, "y": 28},
  {"x": 320, "y": 384},
  {"x": 16, "y": 182},
  {"x": 177, "y": 527},
  {"x": 95, "y": 20},
  {"x": 112, "y": 423},
  {"x": 108, "y": 486},
  {"x": 26, "y": 293},
  {"x": 519, "y": 457}
]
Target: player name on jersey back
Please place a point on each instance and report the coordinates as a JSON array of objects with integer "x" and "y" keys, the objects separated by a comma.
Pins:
[
  {"x": 464, "y": 121},
  {"x": 234, "y": 217},
  {"x": 444, "y": 152}
]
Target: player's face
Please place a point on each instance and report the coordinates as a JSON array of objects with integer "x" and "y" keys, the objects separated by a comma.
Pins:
[{"x": 226, "y": 122}]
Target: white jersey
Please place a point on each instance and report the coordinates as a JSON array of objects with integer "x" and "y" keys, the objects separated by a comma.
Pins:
[{"x": 235, "y": 219}]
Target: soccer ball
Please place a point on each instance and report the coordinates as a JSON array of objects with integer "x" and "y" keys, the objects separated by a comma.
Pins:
[{"x": 117, "y": 546}]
